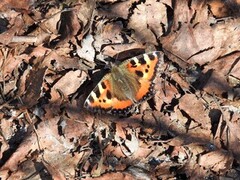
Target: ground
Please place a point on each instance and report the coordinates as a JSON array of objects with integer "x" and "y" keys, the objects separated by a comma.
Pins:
[{"x": 53, "y": 53}]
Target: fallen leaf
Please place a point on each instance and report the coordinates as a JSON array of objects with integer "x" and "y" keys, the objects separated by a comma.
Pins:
[
  {"x": 70, "y": 82},
  {"x": 218, "y": 161}
]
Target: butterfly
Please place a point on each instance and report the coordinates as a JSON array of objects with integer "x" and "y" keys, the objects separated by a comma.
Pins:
[{"x": 126, "y": 85}]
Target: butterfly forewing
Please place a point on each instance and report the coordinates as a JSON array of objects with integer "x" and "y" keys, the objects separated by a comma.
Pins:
[{"x": 143, "y": 68}]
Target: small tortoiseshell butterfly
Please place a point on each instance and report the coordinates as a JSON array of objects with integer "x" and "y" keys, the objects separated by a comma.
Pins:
[{"x": 127, "y": 85}]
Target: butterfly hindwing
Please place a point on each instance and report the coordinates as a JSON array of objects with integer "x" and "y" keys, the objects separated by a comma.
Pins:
[{"x": 130, "y": 83}]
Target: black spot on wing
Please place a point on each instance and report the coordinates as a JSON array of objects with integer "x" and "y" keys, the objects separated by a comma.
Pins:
[
  {"x": 97, "y": 92},
  {"x": 139, "y": 73},
  {"x": 151, "y": 57},
  {"x": 133, "y": 63},
  {"x": 109, "y": 95},
  {"x": 91, "y": 99},
  {"x": 142, "y": 61},
  {"x": 103, "y": 85}
]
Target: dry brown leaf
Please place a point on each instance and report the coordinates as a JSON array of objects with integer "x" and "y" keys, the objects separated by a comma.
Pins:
[
  {"x": 3, "y": 139},
  {"x": 12, "y": 4},
  {"x": 33, "y": 87},
  {"x": 230, "y": 136},
  {"x": 217, "y": 84},
  {"x": 194, "y": 108},
  {"x": 107, "y": 34},
  {"x": 69, "y": 26},
  {"x": 165, "y": 93},
  {"x": 55, "y": 61},
  {"x": 7, "y": 36},
  {"x": 54, "y": 146},
  {"x": 8, "y": 64},
  {"x": 118, "y": 9},
  {"x": 70, "y": 82},
  {"x": 218, "y": 161},
  {"x": 114, "y": 175},
  {"x": 28, "y": 168},
  {"x": 222, "y": 9},
  {"x": 85, "y": 13},
  {"x": 145, "y": 29},
  {"x": 192, "y": 45}
]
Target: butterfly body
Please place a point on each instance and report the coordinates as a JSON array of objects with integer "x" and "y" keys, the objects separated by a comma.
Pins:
[{"x": 125, "y": 86}]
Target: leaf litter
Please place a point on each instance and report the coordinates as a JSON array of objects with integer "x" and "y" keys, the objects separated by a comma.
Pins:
[{"x": 51, "y": 56}]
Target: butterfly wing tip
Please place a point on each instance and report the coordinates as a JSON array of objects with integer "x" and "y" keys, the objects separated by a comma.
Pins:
[
  {"x": 158, "y": 53},
  {"x": 85, "y": 105}
]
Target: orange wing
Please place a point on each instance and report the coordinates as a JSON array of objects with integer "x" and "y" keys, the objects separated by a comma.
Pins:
[{"x": 144, "y": 67}]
